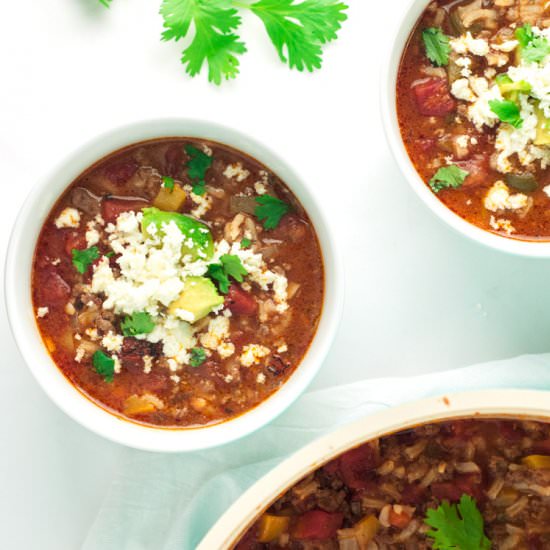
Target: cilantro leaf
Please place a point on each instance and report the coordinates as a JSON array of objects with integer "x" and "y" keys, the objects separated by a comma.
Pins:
[
  {"x": 197, "y": 167},
  {"x": 506, "y": 111},
  {"x": 198, "y": 357},
  {"x": 104, "y": 365},
  {"x": 214, "y": 42},
  {"x": 298, "y": 30},
  {"x": 270, "y": 210},
  {"x": 457, "y": 527},
  {"x": 106, "y": 3},
  {"x": 437, "y": 46},
  {"x": 218, "y": 274},
  {"x": 533, "y": 48},
  {"x": 82, "y": 259},
  {"x": 137, "y": 323},
  {"x": 229, "y": 266},
  {"x": 233, "y": 266},
  {"x": 448, "y": 177},
  {"x": 168, "y": 183},
  {"x": 245, "y": 243}
]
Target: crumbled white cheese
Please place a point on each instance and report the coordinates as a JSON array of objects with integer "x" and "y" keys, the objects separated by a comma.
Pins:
[
  {"x": 184, "y": 315},
  {"x": 92, "y": 334},
  {"x": 173, "y": 365},
  {"x": 175, "y": 378},
  {"x": 499, "y": 198},
  {"x": 69, "y": 309},
  {"x": 56, "y": 261},
  {"x": 464, "y": 63},
  {"x": 80, "y": 352},
  {"x": 69, "y": 217},
  {"x": 259, "y": 187},
  {"x": 501, "y": 224},
  {"x": 260, "y": 379},
  {"x": 218, "y": 331},
  {"x": 468, "y": 44},
  {"x": 92, "y": 237},
  {"x": 236, "y": 171},
  {"x": 42, "y": 311},
  {"x": 112, "y": 341},
  {"x": 226, "y": 349},
  {"x": 147, "y": 364},
  {"x": 463, "y": 141},
  {"x": 282, "y": 348},
  {"x": 118, "y": 365},
  {"x": 252, "y": 354},
  {"x": 547, "y": 190}
]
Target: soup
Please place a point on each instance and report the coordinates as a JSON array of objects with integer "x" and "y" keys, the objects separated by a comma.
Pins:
[
  {"x": 178, "y": 282},
  {"x": 472, "y": 484},
  {"x": 473, "y": 101}
]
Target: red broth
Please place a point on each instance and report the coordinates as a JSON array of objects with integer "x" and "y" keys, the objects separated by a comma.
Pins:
[{"x": 127, "y": 344}]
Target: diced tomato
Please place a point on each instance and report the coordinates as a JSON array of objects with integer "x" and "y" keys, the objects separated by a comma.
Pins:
[
  {"x": 173, "y": 158},
  {"x": 413, "y": 494},
  {"x": 433, "y": 98},
  {"x": 240, "y": 302},
  {"x": 53, "y": 289},
  {"x": 74, "y": 239},
  {"x": 541, "y": 447},
  {"x": 120, "y": 172},
  {"x": 453, "y": 490},
  {"x": 356, "y": 466},
  {"x": 317, "y": 525},
  {"x": 510, "y": 431},
  {"x": 478, "y": 170},
  {"x": 112, "y": 208},
  {"x": 133, "y": 350},
  {"x": 399, "y": 520},
  {"x": 332, "y": 467}
]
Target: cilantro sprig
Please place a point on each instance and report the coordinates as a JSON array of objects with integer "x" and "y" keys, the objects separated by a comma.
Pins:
[
  {"x": 270, "y": 210},
  {"x": 457, "y": 526},
  {"x": 448, "y": 177},
  {"x": 297, "y": 29},
  {"x": 533, "y": 48},
  {"x": 106, "y": 3},
  {"x": 507, "y": 111},
  {"x": 104, "y": 365},
  {"x": 198, "y": 357},
  {"x": 229, "y": 266},
  {"x": 83, "y": 259},
  {"x": 137, "y": 323},
  {"x": 197, "y": 167},
  {"x": 437, "y": 46}
]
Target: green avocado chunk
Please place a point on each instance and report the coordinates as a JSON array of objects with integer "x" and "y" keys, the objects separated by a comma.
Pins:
[
  {"x": 198, "y": 241},
  {"x": 199, "y": 297}
]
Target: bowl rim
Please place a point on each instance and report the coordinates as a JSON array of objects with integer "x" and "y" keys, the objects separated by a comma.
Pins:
[
  {"x": 402, "y": 28},
  {"x": 21, "y": 317},
  {"x": 501, "y": 403}
]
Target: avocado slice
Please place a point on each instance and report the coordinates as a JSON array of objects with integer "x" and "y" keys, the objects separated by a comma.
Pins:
[
  {"x": 202, "y": 244},
  {"x": 199, "y": 297}
]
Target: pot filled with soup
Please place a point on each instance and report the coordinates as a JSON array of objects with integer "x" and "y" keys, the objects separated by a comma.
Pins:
[
  {"x": 466, "y": 471},
  {"x": 472, "y": 110},
  {"x": 177, "y": 283}
]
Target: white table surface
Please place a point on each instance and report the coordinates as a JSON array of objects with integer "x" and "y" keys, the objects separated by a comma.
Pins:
[{"x": 420, "y": 298}]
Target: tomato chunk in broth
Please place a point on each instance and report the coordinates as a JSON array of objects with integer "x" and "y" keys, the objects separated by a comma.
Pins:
[
  {"x": 473, "y": 102},
  {"x": 178, "y": 282}
]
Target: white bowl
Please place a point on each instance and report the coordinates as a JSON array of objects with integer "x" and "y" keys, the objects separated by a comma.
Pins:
[
  {"x": 405, "y": 23},
  {"x": 243, "y": 513},
  {"x": 61, "y": 391}
]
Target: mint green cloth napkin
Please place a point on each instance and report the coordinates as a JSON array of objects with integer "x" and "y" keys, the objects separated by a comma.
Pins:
[{"x": 168, "y": 502}]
